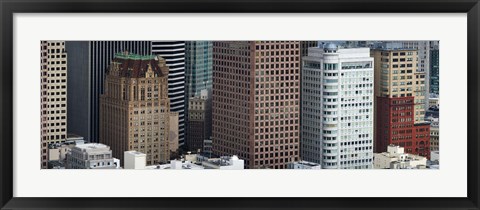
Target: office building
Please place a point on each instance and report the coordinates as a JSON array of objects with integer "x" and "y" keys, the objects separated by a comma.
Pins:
[
  {"x": 256, "y": 101},
  {"x": 197, "y": 124},
  {"x": 53, "y": 95},
  {"x": 91, "y": 156},
  {"x": 198, "y": 67},
  {"x": 87, "y": 63},
  {"x": 423, "y": 63},
  {"x": 337, "y": 107},
  {"x": 198, "y": 88},
  {"x": 433, "y": 101},
  {"x": 434, "y": 71},
  {"x": 135, "y": 108},
  {"x": 399, "y": 102},
  {"x": 434, "y": 133},
  {"x": 174, "y": 54}
]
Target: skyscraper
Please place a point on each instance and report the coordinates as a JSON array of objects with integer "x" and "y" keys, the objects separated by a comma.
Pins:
[
  {"x": 423, "y": 63},
  {"x": 337, "y": 107},
  {"x": 87, "y": 63},
  {"x": 198, "y": 88},
  {"x": 198, "y": 67},
  {"x": 53, "y": 114},
  {"x": 135, "y": 108},
  {"x": 196, "y": 123},
  {"x": 434, "y": 71},
  {"x": 256, "y": 101},
  {"x": 399, "y": 109},
  {"x": 174, "y": 54}
]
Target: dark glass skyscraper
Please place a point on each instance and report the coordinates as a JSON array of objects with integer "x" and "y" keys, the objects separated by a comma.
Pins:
[
  {"x": 434, "y": 71},
  {"x": 198, "y": 79},
  {"x": 87, "y": 64}
]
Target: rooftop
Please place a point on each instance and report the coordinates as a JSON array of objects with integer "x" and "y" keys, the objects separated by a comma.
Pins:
[
  {"x": 127, "y": 56},
  {"x": 135, "y": 153},
  {"x": 136, "y": 66},
  {"x": 92, "y": 146}
]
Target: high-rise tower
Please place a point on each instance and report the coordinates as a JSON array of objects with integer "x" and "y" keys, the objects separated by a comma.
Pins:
[
  {"x": 174, "y": 54},
  {"x": 256, "y": 86},
  {"x": 198, "y": 89},
  {"x": 53, "y": 114},
  {"x": 399, "y": 101},
  {"x": 135, "y": 108},
  {"x": 337, "y": 107}
]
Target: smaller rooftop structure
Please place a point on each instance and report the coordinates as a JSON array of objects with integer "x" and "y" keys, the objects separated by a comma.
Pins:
[
  {"x": 131, "y": 56},
  {"x": 92, "y": 146},
  {"x": 395, "y": 158},
  {"x": 303, "y": 165},
  {"x": 177, "y": 165},
  {"x": 224, "y": 162}
]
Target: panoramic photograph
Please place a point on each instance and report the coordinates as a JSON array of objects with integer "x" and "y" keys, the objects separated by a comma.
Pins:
[{"x": 238, "y": 105}]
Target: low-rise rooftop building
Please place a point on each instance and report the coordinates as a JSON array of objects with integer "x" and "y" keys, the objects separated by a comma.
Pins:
[
  {"x": 303, "y": 165},
  {"x": 91, "y": 156},
  {"x": 190, "y": 161},
  {"x": 395, "y": 158}
]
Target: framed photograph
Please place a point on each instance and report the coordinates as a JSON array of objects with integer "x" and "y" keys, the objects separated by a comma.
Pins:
[{"x": 202, "y": 104}]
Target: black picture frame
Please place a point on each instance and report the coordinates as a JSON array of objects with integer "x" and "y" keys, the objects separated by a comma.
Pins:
[{"x": 10, "y": 7}]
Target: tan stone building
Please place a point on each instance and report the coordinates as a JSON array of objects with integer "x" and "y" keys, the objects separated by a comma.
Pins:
[
  {"x": 394, "y": 72},
  {"x": 256, "y": 101},
  {"x": 53, "y": 114},
  {"x": 135, "y": 108}
]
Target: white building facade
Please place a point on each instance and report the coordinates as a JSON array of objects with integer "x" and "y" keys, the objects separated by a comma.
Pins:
[
  {"x": 134, "y": 160},
  {"x": 337, "y": 107},
  {"x": 395, "y": 158},
  {"x": 91, "y": 156}
]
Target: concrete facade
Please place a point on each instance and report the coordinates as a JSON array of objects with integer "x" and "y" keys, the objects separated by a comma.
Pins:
[
  {"x": 395, "y": 158},
  {"x": 337, "y": 107},
  {"x": 90, "y": 156},
  {"x": 53, "y": 69},
  {"x": 134, "y": 160}
]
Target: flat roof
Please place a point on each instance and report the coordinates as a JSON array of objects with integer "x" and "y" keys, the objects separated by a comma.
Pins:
[{"x": 92, "y": 146}]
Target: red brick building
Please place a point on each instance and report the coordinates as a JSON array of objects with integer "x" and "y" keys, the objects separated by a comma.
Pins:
[{"x": 396, "y": 125}]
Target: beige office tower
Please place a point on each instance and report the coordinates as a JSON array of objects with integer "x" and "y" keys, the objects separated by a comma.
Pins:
[
  {"x": 135, "y": 108},
  {"x": 394, "y": 72},
  {"x": 256, "y": 101},
  {"x": 53, "y": 95},
  {"x": 396, "y": 76}
]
